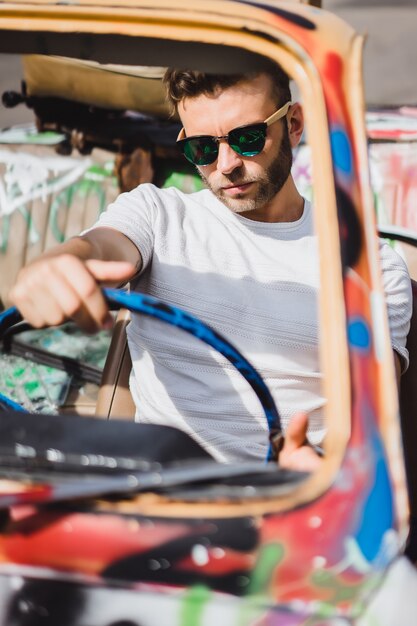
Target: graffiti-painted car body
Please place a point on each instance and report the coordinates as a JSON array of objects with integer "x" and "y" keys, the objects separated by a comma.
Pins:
[{"x": 314, "y": 553}]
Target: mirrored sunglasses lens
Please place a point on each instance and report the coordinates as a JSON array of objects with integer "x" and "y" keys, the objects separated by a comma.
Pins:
[
  {"x": 201, "y": 151},
  {"x": 247, "y": 141}
]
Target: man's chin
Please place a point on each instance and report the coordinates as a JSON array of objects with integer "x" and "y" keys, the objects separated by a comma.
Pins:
[{"x": 238, "y": 204}]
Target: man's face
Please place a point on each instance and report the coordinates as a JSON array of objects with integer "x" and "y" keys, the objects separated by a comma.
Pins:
[{"x": 243, "y": 184}]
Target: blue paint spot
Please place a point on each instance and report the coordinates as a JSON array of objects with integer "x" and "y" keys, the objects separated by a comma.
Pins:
[
  {"x": 358, "y": 334},
  {"x": 378, "y": 515},
  {"x": 342, "y": 155}
]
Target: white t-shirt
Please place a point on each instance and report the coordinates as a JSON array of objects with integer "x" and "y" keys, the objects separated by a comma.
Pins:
[{"x": 255, "y": 283}]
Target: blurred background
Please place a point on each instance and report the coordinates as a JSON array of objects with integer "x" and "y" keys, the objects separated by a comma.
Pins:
[{"x": 390, "y": 59}]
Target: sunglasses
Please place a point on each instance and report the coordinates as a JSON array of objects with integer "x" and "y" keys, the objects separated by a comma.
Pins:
[{"x": 246, "y": 140}]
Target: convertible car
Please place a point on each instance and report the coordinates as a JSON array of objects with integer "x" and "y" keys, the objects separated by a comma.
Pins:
[{"x": 107, "y": 522}]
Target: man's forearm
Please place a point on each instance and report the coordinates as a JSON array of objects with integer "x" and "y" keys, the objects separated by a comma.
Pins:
[{"x": 104, "y": 244}]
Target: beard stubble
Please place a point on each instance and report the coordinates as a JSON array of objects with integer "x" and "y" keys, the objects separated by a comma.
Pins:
[{"x": 269, "y": 184}]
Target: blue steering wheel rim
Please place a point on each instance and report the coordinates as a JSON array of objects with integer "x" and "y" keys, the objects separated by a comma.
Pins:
[{"x": 150, "y": 306}]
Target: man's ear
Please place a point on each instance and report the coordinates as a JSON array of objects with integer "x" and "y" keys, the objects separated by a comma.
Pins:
[{"x": 295, "y": 121}]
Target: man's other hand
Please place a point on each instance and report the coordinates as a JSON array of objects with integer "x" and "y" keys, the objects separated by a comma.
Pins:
[{"x": 296, "y": 453}]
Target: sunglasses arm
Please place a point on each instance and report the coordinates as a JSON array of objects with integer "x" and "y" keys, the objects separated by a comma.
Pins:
[{"x": 277, "y": 115}]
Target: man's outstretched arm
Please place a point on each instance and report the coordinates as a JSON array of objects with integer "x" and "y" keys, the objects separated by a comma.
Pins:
[{"x": 64, "y": 282}]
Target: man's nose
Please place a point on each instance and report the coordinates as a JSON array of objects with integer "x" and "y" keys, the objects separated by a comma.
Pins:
[{"x": 228, "y": 160}]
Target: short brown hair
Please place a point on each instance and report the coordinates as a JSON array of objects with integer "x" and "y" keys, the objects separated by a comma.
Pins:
[{"x": 181, "y": 84}]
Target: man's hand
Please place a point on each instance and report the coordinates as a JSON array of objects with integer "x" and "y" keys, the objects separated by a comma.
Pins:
[
  {"x": 296, "y": 454},
  {"x": 54, "y": 289}
]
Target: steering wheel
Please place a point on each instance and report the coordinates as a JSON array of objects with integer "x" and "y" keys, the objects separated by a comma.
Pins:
[{"x": 148, "y": 305}]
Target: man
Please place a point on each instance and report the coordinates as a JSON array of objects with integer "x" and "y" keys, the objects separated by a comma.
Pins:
[{"x": 240, "y": 254}]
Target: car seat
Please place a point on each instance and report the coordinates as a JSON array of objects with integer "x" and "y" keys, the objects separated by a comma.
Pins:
[{"x": 114, "y": 400}]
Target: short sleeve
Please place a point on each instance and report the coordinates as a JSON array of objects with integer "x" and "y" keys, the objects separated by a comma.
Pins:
[
  {"x": 133, "y": 214},
  {"x": 397, "y": 287}
]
